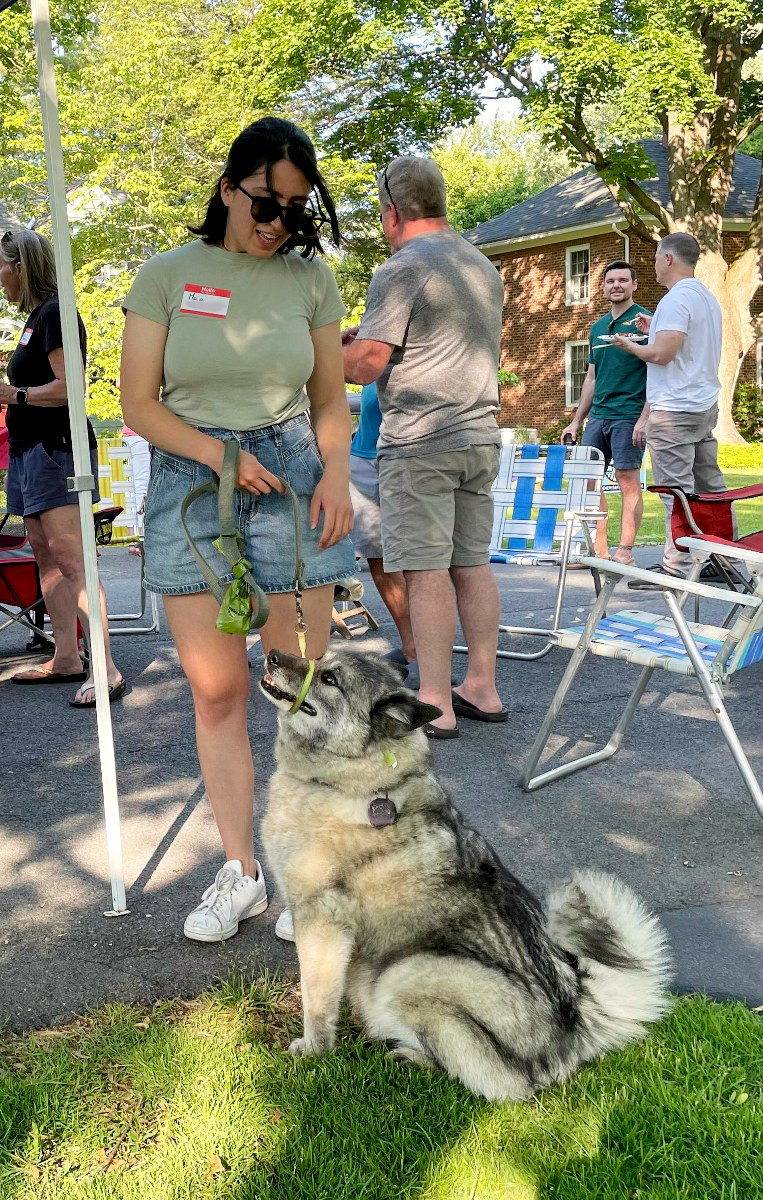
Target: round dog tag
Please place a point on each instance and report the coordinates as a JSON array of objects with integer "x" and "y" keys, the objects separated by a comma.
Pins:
[{"x": 382, "y": 811}]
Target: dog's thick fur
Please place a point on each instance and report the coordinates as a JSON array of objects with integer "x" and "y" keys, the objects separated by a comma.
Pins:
[{"x": 439, "y": 949}]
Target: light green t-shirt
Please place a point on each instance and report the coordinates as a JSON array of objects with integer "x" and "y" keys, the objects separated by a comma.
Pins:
[{"x": 238, "y": 352}]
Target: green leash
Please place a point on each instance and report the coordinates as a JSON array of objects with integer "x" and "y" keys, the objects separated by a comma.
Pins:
[{"x": 243, "y": 604}]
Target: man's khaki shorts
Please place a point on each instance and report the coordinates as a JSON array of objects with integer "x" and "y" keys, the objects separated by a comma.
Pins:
[{"x": 437, "y": 509}]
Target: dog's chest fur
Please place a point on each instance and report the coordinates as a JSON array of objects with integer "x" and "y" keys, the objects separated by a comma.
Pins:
[{"x": 330, "y": 859}]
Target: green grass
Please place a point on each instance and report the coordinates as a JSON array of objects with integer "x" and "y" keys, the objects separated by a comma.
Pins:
[{"x": 200, "y": 1099}]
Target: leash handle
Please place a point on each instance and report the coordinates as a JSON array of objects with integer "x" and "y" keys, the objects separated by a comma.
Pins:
[{"x": 244, "y": 605}]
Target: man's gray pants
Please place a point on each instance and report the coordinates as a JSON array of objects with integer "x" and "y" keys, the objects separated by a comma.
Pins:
[{"x": 684, "y": 454}]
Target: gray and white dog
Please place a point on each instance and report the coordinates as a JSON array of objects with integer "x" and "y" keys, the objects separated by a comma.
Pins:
[{"x": 407, "y": 912}]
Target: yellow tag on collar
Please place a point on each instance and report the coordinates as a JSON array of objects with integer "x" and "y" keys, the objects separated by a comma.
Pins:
[{"x": 390, "y": 759}]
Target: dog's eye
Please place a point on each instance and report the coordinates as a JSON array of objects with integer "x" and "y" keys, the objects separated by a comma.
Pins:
[{"x": 329, "y": 679}]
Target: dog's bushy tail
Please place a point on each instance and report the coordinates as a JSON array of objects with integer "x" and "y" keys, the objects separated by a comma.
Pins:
[{"x": 623, "y": 956}]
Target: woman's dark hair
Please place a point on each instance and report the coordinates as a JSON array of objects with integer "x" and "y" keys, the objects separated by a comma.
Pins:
[{"x": 265, "y": 143}]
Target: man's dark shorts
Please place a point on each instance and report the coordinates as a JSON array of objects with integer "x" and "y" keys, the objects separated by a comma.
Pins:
[{"x": 615, "y": 440}]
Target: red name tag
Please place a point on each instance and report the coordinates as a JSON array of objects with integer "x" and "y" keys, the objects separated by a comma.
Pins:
[{"x": 205, "y": 301}]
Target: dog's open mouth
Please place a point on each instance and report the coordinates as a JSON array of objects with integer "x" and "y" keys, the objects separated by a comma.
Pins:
[{"x": 271, "y": 688}]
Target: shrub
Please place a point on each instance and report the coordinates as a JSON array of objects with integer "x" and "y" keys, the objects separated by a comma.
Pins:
[
  {"x": 741, "y": 458},
  {"x": 747, "y": 411}
]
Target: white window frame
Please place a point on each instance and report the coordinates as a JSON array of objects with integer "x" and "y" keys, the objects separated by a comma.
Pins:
[
  {"x": 569, "y": 299},
  {"x": 569, "y": 403}
]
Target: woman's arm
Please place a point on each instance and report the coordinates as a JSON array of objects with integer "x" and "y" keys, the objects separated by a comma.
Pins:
[
  {"x": 333, "y": 430},
  {"x": 46, "y": 395},
  {"x": 140, "y": 379}
]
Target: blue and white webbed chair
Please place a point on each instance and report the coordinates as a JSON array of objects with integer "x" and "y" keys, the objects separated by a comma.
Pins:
[
  {"x": 539, "y": 497},
  {"x": 711, "y": 654}
]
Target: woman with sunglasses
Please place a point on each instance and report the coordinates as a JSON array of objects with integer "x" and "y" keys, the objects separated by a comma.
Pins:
[
  {"x": 41, "y": 461},
  {"x": 236, "y": 335}
]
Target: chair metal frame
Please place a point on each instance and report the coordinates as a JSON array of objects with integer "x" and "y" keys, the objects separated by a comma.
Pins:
[
  {"x": 562, "y": 486},
  {"x": 725, "y": 653}
]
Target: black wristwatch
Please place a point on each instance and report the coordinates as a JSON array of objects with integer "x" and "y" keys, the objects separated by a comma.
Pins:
[{"x": 21, "y": 395}]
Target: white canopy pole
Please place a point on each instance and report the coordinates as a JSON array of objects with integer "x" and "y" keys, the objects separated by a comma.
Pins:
[{"x": 83, "y": 481}]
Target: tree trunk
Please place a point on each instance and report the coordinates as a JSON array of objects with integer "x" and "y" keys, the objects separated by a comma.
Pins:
[{"x": 733, "y": 288}]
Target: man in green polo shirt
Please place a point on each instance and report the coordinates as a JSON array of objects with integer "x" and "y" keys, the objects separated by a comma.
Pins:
[{"x": 614, "y": 392}]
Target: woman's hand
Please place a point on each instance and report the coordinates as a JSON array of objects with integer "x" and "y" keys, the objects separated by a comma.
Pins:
[
  {"x": 7, "y": 393},
  {"x": 333, "y": 496},
  {"x": 251, "y": 476}
]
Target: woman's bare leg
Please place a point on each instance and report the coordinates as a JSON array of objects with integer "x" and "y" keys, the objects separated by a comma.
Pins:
[{"x": 215, "y": 665}]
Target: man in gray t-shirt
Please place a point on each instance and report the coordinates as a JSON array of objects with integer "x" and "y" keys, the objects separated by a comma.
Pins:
[{"x": 430, "y": 338}]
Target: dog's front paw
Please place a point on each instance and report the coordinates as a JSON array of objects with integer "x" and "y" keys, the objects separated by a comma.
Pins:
[{"x": 301, "y": 1048}]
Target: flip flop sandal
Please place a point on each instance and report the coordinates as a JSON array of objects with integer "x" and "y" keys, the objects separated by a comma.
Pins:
[
  {"x": 440, "y": 735},
  {"x": 40, "y": 678},
  {"x": 630, "y": 561},
  {"x": 463, "y": 708},
  {"x": 115, "y": 691}
]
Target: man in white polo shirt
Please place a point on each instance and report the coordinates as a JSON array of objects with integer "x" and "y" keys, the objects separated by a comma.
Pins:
[{"x": 682, "y": 385}]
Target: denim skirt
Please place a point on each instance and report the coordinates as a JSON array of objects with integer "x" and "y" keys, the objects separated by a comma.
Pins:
[{"x": 266, "y": 522}]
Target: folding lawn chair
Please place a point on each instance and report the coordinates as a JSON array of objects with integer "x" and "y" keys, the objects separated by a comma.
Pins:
[
  {"x": 710, "y": 517},
  {"x": 349, "y": 616},
  {"x": 539, "y": 497},
  {"x": 710, "y": 653},
  {"x": 115, "y": 482},
  {"x": 20, "y": 586}
]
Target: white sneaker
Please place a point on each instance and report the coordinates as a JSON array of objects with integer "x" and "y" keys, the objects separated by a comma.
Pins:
[
  {"x": 231, "y": 898},
  {"x": 285, "y": 926}
]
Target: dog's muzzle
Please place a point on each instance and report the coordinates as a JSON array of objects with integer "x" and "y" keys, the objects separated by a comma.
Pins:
[{"x": 296, "y": 701}]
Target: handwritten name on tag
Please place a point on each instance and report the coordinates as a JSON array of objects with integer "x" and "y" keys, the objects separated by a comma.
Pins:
[
  {"x": 24, "y": 339},
  {"x": 205, "y": 301}
]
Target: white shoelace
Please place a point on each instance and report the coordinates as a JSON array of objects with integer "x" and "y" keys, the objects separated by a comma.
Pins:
[{"x": 217, "y": 895}]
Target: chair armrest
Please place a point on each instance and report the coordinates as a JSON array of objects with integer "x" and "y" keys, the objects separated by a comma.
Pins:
[
  {"x": 608, "y": 566},
  {"x": 723, "y": 549}
]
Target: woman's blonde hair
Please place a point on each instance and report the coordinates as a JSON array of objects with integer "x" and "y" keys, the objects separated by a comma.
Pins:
[{"x": 34, "y": 254}]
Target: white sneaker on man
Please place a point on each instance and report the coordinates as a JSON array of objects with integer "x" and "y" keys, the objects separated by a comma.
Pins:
[
  {"x": 285, "y": 926},
  {"x": 231, "y": 898}
]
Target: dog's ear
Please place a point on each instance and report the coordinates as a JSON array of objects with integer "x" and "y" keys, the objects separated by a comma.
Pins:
[{"x": 400, "y": 713}]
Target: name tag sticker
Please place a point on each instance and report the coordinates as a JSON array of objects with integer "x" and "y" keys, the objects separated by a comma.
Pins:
[
  {"x": 205, "y": 301},
  {"x": 23, "y": 340}
]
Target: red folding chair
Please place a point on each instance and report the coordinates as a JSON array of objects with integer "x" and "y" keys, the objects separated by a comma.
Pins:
[
  {"x": 20, "y": 586},
  {"x": 20, "y": 578},
  {"x": 709, "y": 516}
]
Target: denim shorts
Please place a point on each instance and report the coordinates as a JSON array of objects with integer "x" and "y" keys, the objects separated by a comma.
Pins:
[
  {"x": 266, "y": 522},
  {"x": 615, "y": 440},
  {"x": 37, "y": 480}
]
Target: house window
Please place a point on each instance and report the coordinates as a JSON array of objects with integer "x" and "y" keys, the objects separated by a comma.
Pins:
[
  {"x": 578, "y": 260},
  {"x": 575, "y": 371}
]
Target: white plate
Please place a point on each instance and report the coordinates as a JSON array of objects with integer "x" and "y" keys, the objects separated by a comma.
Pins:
[{"x": 632, "y": 337}]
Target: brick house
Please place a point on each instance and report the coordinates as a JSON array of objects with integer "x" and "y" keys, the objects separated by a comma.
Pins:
[{"x": 551, "y": 251}]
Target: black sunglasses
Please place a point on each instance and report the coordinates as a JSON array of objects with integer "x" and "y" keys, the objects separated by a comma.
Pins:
[{"x": 297, "y": 219}]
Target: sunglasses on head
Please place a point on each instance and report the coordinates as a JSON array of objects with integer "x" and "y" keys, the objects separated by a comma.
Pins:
[
  {"x": 385, "y": 183},
  {"x": 297, "y": 219}
]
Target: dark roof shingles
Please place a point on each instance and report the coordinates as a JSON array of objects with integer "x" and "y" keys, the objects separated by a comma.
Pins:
[{"x": 582, "y": 199}]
